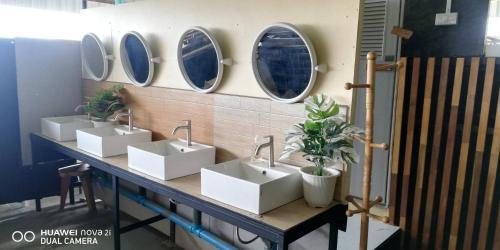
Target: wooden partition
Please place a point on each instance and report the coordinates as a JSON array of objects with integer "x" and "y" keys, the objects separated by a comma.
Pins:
[{"x": 445, "y": 186}]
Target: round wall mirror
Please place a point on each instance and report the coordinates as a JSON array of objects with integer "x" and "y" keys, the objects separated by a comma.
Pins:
[
  {"x": 137, "y": 59},
  {"x": 95, "y": 58},
  {"x": 284, "y": 63},
  {"x": 200, "y": 59}
]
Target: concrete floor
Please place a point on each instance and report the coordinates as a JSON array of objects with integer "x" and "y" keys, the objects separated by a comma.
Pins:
[{"x": 22, "y": 217}]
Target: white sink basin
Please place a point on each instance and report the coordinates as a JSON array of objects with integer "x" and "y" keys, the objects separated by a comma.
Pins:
[
  {"x": 170, "y": 159},
  {"x": 252, "y": 185},
  {"x": 110, "y": 141},
  {"x": 64, "y": 128}
]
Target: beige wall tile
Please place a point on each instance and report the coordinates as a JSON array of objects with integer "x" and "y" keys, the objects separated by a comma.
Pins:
[
  {"x": 159, "y": 92},
  {"x": 256, "y": 104},
  {"x": 264, "y": 119},
  {"x": 188, "y": 96},
  {"x": 227, "y": 101},
  {"x": 283, "y": 122},
  {"x": 241, "y": 128},
  {"x": 295, "y": 109},
  {"x": 230, "y": 123},
  {"x": 142, "y": 91},
  {"x": 259, "y": 130},
  {"x": 235, "y": 115}
]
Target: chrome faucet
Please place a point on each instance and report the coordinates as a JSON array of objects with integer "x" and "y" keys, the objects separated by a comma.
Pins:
[
  {"x": 188, "y": 128},
  {"x": 130, "y": 116},
  {"x": 81, "y": 107},
  {"x": 269, "y": 144}
]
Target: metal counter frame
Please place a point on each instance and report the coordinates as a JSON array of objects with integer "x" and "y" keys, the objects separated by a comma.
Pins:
[{"x": 45, "y": 150}]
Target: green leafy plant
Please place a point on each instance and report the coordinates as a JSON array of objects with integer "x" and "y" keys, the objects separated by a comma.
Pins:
[
  {"x": 324, "y": 136},
  {"x": 104, "y": 102}
]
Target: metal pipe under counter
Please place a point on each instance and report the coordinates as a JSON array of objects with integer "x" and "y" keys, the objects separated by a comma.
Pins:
[{"x": 191, "y": 227}]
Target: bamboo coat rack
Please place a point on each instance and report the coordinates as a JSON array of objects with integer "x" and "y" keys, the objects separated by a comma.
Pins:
[{"x": 364, "y": 208}]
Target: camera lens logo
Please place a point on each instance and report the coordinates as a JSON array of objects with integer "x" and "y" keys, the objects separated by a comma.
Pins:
[{"x": 18, "y": 236}]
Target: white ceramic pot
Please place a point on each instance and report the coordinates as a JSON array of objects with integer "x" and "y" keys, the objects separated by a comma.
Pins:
[
  {"x": 100, "y": 124},
  {"x": 319, "y": 190}
]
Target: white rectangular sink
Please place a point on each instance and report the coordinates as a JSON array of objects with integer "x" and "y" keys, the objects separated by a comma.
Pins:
[
  {"x": 110, "y": 141},
  {"x": 170, "y": 159},
  {"x": 252, "y": 185},
  {"x": 64, "y": 128}
]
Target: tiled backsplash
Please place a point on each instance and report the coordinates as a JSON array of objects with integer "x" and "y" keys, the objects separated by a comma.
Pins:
[{"x": 231, "y": 123}]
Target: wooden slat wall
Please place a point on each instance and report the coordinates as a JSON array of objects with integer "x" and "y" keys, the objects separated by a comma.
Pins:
[
  {"x": 464, "y": 152},
  {"x": 490, "y": 184},
  {"x": 423, "y": 146},
  {"x": 496, "y": 244},
  {"x": 436, "y": 145},
  {"x": 445, "y": 189},
  {"x": 409, "y": 141},
  {"x": 398, "y": 123},
  {"x": 478, "y": 157},
  {"x": 450, "y": 141}
]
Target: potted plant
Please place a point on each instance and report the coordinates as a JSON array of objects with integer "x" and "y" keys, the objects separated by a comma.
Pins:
[
  {"x": 103, "y": 104},
  {"x": 324, "y": 139}
]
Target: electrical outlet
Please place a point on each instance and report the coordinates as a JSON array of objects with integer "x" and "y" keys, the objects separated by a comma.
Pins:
[{"x": 446, "y": 19}]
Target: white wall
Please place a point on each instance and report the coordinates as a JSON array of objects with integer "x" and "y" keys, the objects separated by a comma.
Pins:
[
  {"x": 37, "y": 23},
  {"x": 331, "y": 25},
  {"x": 59, "y": 5},
  {"x": 48, "y": 83}
]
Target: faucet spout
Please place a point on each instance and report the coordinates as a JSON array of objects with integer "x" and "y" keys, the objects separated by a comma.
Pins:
[
  {"x": 81, "y": 107},
  {"x": 186, "y": 127},
  {"x": 269, "y": 144},
  {"x": 130, "y": 116},
  {"x": 176, "y": 128}
]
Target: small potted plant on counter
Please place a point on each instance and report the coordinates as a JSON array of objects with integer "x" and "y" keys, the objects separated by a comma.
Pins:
[
  {"x": 103, "y": 104},
  {"x": 324, "y": 139}
]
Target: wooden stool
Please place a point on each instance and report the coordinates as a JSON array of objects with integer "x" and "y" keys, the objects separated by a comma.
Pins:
[{"x": 84, "y": 172}]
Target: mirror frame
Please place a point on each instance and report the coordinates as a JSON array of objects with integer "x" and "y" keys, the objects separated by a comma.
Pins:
[
  {"x": 218, "y": 52},
  {"x": 313, "y": 58},
  {"x": 105, "y": 58},
  {"x": 125, "y": 62}
]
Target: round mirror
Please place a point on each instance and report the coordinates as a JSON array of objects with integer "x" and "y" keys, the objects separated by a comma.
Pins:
[
  {"x": 95, "y": 58},
  {"x": 200, "y": 60},
  {"x": 284, "y": 63},
  {"x": 137, "y": 59}
]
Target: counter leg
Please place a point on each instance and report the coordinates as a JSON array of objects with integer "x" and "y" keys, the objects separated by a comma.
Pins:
[
  {"x": 334, "y": 234},
  {"x": 116, "y": 213},
  {"x": 142, "y": 191},
  {"x": 38, "y": 204},
  {"x": 173, "y": 209},
  {"x": 71, "y": 193},
  {"x": 282, "y": 245}
]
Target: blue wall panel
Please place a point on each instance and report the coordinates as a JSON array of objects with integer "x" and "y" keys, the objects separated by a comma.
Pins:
[{"x": 10, "y": 148}]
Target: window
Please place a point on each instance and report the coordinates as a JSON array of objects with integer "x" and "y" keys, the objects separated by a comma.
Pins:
[
  {"x": 493, "y": 29},
  {"x": 39, "y": 23}
]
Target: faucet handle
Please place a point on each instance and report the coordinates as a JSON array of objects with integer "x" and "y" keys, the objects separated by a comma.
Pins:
[{"x": 188, "y": 122}]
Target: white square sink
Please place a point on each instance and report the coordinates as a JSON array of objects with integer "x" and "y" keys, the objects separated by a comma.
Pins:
[
  {"x": 110, "y": 141},
  {"x": 170, "y": 159},
  {"x": 64, "y": 128},
  {"x": 252, "y": 185}
]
